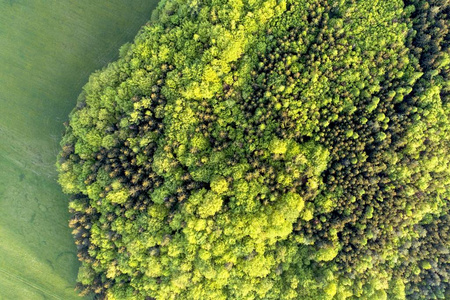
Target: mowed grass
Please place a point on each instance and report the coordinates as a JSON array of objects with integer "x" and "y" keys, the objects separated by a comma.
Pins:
[{"x": 48, "y": 48}]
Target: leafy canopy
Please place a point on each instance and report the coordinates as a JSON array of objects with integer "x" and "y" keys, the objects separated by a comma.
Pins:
[{"x": 278, "y": 149}]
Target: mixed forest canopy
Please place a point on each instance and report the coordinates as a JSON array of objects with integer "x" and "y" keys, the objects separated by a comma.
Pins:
[{"x": 277, "y": 149}]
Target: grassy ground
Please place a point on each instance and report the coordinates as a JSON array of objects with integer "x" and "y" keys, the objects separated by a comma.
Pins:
[{"x": 47, "y": 50}]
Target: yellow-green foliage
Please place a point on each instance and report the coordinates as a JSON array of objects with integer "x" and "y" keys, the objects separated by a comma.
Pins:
[{"x": 272, "y": 149}]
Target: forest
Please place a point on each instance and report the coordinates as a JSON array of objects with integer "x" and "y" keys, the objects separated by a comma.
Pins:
[{"x": 267, "y": 149}]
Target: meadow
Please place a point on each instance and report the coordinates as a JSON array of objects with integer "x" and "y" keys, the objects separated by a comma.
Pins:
[{"x": 48, "y": 48}]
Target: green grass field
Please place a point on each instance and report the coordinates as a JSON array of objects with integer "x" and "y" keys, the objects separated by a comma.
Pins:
[{"x": 48, "y": 48}]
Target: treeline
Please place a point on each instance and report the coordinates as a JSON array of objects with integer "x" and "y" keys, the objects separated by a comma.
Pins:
[{"x": 267, "y": 150}]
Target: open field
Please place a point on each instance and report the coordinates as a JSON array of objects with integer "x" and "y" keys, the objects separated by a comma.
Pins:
[{"x": 48, "y": 48}]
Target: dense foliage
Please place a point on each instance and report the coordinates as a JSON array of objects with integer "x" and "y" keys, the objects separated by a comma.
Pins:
[{"x": 278, "y": 149}]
